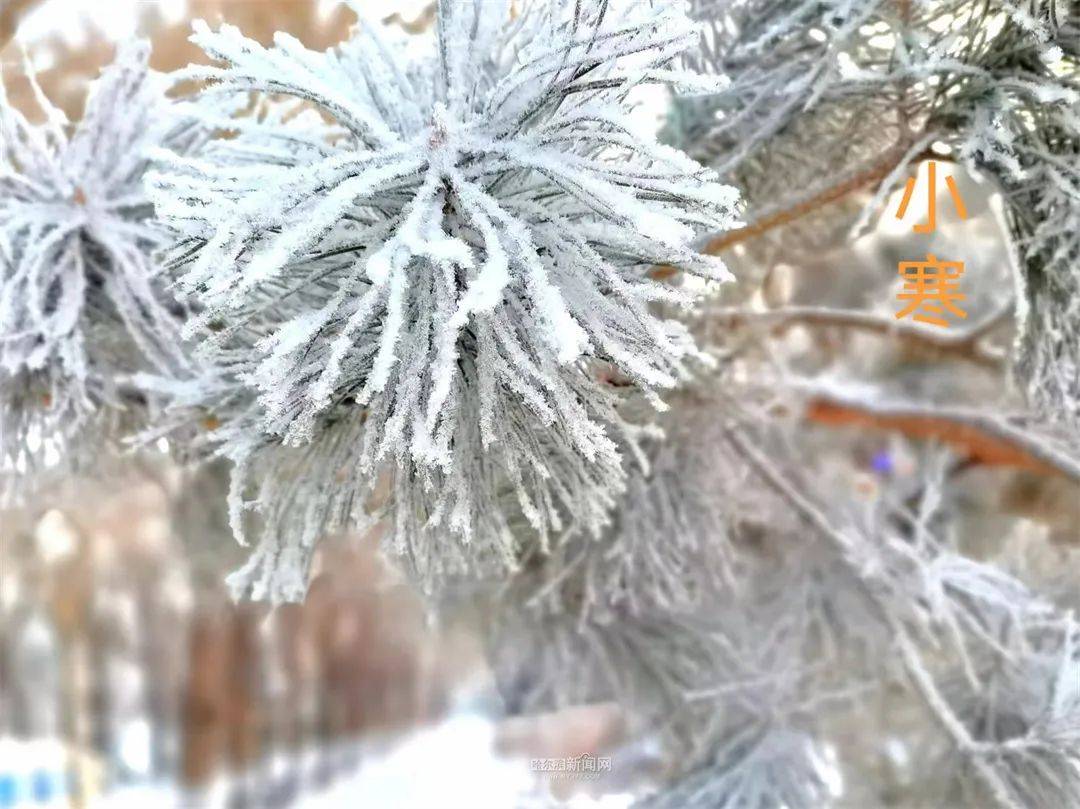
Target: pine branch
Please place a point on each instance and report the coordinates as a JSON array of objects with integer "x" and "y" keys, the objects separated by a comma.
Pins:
[
  {"x": 981, "y": 436},
  {"x": 911, "y": 657},
  {"x": 81, "y": 305},
  {"x": 961, "y": 344},
  {"x": 429, "y": 292},
  {"x": 869, "y": 175}
]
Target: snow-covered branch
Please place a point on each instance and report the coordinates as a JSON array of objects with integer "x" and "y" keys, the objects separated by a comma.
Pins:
[{"x": 444, "y": 277}]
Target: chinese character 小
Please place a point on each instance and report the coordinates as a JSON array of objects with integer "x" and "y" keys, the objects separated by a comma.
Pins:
[{"x": 931, "y": 199}]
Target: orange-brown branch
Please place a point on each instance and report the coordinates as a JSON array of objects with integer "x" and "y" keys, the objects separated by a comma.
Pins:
[
  {"x": 874, "y": 173},
  {"x": 979, "y": 438}
]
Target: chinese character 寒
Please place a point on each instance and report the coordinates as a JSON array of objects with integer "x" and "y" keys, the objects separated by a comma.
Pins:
[{"x": 931, "y": 289}]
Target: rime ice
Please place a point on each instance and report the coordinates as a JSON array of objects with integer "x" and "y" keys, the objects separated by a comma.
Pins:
[
  {"x": 80, "y": 307},
  {"x": 450, "y": 264}
]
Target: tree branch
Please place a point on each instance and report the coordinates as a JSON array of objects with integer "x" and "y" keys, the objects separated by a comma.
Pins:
[
  {"x": 964, "y": 345},
  {"x": 872, "y": 173},
  {"x": 911, "y": 658},
  {"x": 982, "y": 437}
]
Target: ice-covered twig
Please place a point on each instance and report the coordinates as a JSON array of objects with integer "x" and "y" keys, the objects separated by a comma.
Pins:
[
  {"x": 911, "y": 657},
  {"x": 961, "y": 343}
]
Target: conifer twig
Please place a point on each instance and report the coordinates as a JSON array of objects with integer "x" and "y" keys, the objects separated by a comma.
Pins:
[{"x": 912, "y": 661}]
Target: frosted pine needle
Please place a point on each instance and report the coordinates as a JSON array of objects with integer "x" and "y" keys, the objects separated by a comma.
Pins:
[
  {"x": 444, "y": 273},
  {"x": 851, "y": 95},
  {"x": 80, "y": 307}
]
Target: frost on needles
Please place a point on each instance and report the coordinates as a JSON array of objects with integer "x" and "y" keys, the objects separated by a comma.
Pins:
[
  {"x": 80, "y": 306},
  {"x": 854, "y": 94},
  {"x": 418, "y": 275}
]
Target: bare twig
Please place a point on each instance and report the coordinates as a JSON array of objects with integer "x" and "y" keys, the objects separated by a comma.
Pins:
[
  {"x": 871, "y": 174},
  {"x": 961, "y": 344}
]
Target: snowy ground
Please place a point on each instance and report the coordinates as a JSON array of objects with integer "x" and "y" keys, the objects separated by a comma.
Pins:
[{"x": 453, "y": 764}]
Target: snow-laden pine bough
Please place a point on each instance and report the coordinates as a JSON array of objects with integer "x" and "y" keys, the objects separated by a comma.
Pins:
[
  {"x": 776, "y": 632},
  {"x": 82, "y": 306},
  {"x": 826, "y": 100},
  {"x": 419, "y": 278}
]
